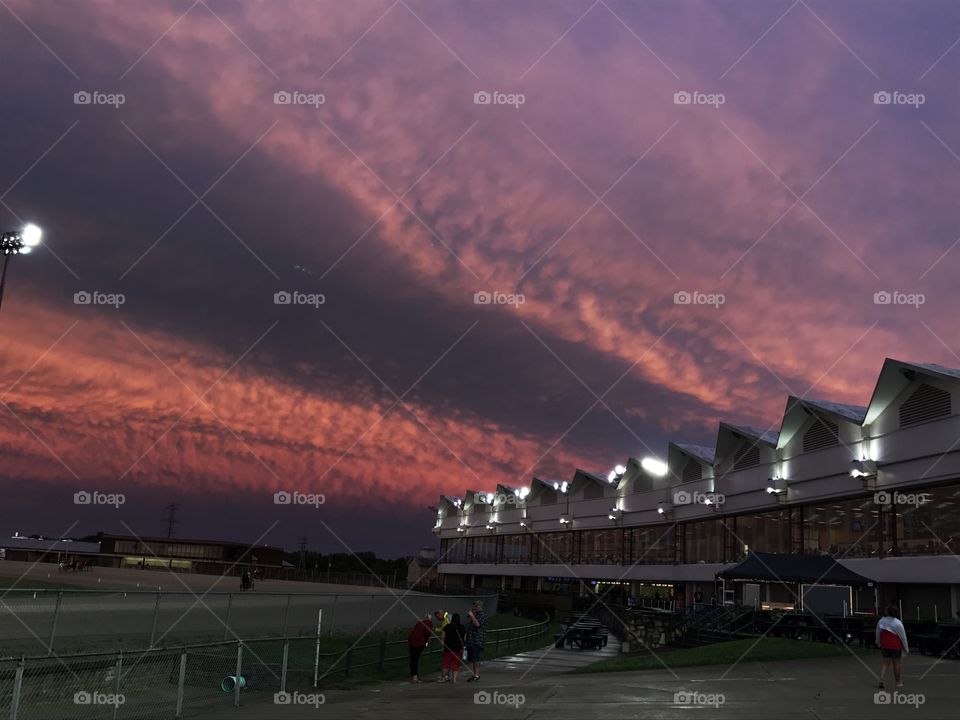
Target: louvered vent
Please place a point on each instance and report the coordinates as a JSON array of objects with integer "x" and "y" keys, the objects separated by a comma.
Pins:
[
  {"x": 592, "y": 492},
  {"x": 926, "y": 403},
  {"x": 822, "y": 434},
  {"x": 747, "y": 458},
  {"x": 692, "y": 471}
]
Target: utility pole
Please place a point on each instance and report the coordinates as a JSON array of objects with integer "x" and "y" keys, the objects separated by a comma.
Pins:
[
  {"x": 302, "y": 549},
  {"x": 171, "y": 518}
]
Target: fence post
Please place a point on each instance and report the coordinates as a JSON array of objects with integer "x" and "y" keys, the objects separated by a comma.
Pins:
[
  {"x": 283, "y": 668},
  {"x": 17, "y": 685},
  {"x": 347, "y": 661},
  {"x": 370, "y": 611},
  {"x": 333, "y": 613},
  {"x": 180, "y": 684},
  {"x": 116, "y": 684},
  {"x": 236, "y": 688},
  {"x": 53, "y": 625},
  {"x": 226, "y": 622},
  {"x": 286, "y": 616},
  {"x": 383, "y": 653},
  {"x": 156, "y": 613}
]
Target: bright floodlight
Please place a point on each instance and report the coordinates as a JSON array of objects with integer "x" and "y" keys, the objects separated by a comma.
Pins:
[
  {"x": 25, "y": 249},
  {"x": 654, "y": 466},
  {"x": 620, "y": 469},
  {"x": 31, "y": 235}
]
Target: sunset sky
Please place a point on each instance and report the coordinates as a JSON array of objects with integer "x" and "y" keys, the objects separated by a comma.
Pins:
[{"x": 794, "y": 198}]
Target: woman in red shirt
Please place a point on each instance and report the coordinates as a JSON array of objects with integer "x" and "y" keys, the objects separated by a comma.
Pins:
[
  {"x": 892, "y": 641},
  {"x": 417, "y": 642}
]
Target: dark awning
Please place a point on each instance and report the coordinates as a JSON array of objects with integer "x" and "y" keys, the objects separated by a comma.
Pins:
[{"x": 775, "y": 567}]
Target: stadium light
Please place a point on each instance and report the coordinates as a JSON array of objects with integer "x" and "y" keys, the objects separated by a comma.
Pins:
[
  {"x": 616, "y": 474},
  {"x": 654, "y": 466},
  {"x": 17, "y": 242}
]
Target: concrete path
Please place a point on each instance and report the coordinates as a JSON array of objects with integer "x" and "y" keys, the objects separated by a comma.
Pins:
[
  {"x": 546, "y": 661},
  {"x": 841, "y": 688}
]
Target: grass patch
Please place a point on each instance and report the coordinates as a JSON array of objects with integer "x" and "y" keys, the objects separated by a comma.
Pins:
[
  {"x": 26, "y": 583},
  {"x": 724, "y": 653}
]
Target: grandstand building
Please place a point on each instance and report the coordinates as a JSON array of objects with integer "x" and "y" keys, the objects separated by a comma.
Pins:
[{"x": 875, "y": 487}]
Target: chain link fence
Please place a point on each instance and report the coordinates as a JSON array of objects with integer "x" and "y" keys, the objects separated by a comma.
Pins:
[
  {"x": 192, "y": 680},
  {"x": 35, "y": 622}
]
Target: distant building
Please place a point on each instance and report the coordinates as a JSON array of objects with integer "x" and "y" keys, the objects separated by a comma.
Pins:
[
  {"x": 422, "y": 569},
  {"x": 213, "y": 557}
]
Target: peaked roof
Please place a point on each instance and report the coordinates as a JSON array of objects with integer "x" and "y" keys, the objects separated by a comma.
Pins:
[
  {"x": 775, "y": 567},
  {"x": 701, "y": 452},
  {"x": 767, "y": 436},
  {"x": 853, "y": 413}
]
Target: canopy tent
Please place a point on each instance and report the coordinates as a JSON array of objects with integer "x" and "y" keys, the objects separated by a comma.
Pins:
[{"x": 807, "y": 569}]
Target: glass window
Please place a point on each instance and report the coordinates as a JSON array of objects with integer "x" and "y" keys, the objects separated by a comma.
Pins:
[
  {"x": 554, "y": 547},
  {"x": 653, "y": 545},
  {"x": 763, "y": 532},
  {"x": 848, "y": 528},
  {"x": 704, "y": 541},
  {"x": 928, "y": 521},
  {"x": 516, "y": 548},
  {"x": 601, "y": 547}
]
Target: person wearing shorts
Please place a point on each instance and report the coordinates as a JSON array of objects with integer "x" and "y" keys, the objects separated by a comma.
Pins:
[
  {"x": 892, "y": 641},
  {"x": 476, "y": 637}
]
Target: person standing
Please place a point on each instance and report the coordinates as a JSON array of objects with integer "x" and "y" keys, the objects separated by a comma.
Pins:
[
  {"x": 452, "y": 638},
  {"x": 892, "y": 641},
  {"x": 476, "y": 637},
  {"x": 417, "y": 642}
]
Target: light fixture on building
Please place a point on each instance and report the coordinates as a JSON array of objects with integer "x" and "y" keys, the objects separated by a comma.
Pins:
[
  {"x": 665, "y": 509},
  {"x": 654, "y": 466},
  {"x": 491, "y": 526},
  {"x": 777, "y": 486},
  {"x": 525, "y": 523},
  {"x": 866, "y": 470},
  {"x": 616, "y": 474},
  {"x": 565, "y": 519},
  {"x": 522, "y": 492},
  {"x": 561, "y": 486},
  {"x": 616, "y": 514}
]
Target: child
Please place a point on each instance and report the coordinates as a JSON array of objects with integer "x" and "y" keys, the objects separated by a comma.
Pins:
[
  {"x": 892, "y": 641},
  {"x": 452, "y": 638}
]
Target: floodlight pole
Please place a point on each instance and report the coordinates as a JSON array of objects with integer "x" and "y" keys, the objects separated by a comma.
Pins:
[{"x": 3, "y": 277}]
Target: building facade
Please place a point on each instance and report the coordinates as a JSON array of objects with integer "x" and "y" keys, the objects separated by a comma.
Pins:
[{"x": 876, "y": 487}]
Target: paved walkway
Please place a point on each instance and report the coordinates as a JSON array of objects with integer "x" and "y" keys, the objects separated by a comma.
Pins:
[
  {"x": 841, "y": 688},
  {"x": 547, "y": 661}
]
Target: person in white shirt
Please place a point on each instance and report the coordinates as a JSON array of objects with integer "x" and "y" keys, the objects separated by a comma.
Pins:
[{"x": 892, "y": 641}]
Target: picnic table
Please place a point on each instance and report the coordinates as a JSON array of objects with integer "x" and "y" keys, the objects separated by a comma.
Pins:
[{"x": 582, "y": 631}]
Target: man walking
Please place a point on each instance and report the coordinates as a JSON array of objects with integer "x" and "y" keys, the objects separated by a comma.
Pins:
[{"x": 476, "y": 637}]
